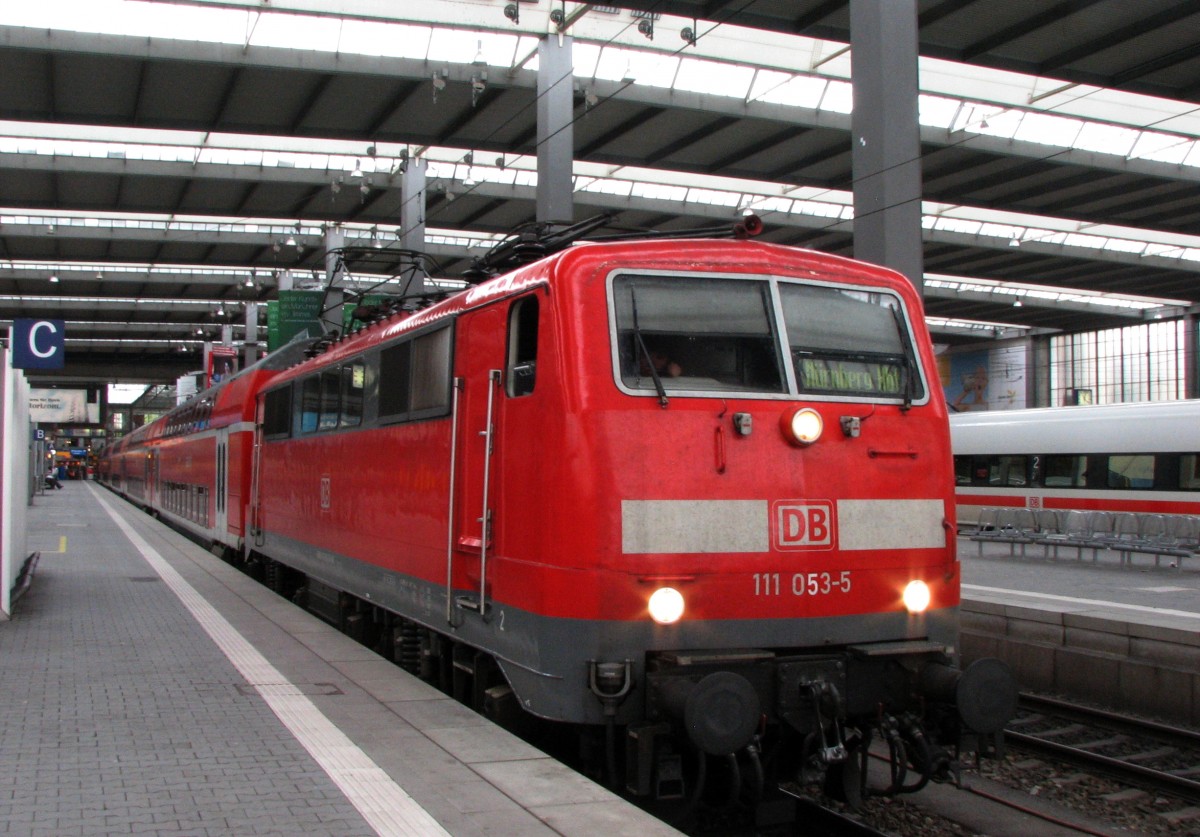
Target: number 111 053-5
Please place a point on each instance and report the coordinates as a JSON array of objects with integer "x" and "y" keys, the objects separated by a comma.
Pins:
[{"x": 802, "y": 584}]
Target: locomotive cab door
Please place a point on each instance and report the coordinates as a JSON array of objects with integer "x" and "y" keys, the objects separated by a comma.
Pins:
[
  {"x": 477, "y": 399},
  {"x": 497, "y": 367}
]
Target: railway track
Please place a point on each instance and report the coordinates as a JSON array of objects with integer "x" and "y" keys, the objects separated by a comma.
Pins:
[{"x": 1156, "y": 757}]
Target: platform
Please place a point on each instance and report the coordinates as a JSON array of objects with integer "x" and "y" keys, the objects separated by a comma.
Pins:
[
  {"x": 1127, "y": 636},
  {"x": 146, "y": 687}
]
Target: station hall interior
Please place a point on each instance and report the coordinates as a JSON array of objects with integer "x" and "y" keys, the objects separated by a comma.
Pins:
[{"x": 190, "y": 188}]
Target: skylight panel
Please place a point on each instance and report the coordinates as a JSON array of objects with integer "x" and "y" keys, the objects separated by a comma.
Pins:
[
  {"x": 604, "y": 186},
  {"x": 713, "y": 197},
  {"x": 116, "y": 17},
  {"x": 1048, "y": 130},
  {"x": 762, "y": 205},
  {"x": 819, "y": 209},
  {"x": 584, "y": 58},
  {"x": 1094, "y": 242},
  {"x": 992, "y": 122},
  {"x": 649, "y": 68},
  {"x": 456, "y": 46},
  {"x": 614, "y": 64},
  {"x": 786, "y": 89},
  {"x": 937, "y": 111},
  {"x": 1164, "y": 148},
  {"x": 1106, "y": 139},
  {"x": 711, "y": 77},
  {"x": 285, "y": 31},
  {"x": 660, "y": 191},
  {"x": 395, "y": 40},
  {"x": 1001, "y": 230},
  {"x": 1124, "y": 245},
  {"x": 839, "y": 97},
  {"x": 957, "y": 225}
]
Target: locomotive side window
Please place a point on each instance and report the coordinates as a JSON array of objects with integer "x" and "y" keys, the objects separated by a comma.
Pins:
[
  {"x": 393, "y": 380},
  {"x": 696, "y": 334},
  {"x": 353, "y": 379},
  {"x": 431, "y": 373},
  {"x": 310, "y": 404},
  {"x": 277, "y": 413},
  {"x": 414, "y": 377},
  {"x": 522, "y": 346},
  {"x": 330, "y": 399},
  {"x": 848, "y": 343}
]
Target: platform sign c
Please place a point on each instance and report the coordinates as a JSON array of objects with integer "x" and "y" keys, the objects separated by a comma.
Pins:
[{"x": 38, "y": 344}]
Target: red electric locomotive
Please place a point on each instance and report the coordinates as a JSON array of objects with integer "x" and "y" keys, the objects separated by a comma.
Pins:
[{"x": 682, "y": 489}]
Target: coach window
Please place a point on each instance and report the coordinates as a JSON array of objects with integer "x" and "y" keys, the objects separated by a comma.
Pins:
[
  {"x": 310, "y": 403},
  {"x": 331, "y": 382},
  {"x": 353, "y": 377},
  {"x": 522, "y": 346}
]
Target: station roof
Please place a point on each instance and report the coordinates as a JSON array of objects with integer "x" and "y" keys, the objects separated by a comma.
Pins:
[{"x": 166, "y": 167}]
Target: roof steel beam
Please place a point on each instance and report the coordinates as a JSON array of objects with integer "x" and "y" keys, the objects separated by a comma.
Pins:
[{"x": 417, "y": 71}]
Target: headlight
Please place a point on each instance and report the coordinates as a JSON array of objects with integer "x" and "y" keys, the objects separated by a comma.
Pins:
[
  {"x": 802, "y": 426},
  {"x": 916, "y": 596},
  {"x": 666, "y": 605}
]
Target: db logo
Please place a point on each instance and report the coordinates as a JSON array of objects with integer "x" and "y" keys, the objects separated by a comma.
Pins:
[
  {"x": 326, "y": 492},
  {"x": 806, "y": 524}
]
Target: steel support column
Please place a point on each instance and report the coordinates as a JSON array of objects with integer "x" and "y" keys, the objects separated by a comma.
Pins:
[
  {"x": 886, "y": 137},
  {"x": 412, "y": 223},
  {"x": 331, "y": 310},
  {"x": 250, "y": 346},
  {"x": 555, "y": 134}
]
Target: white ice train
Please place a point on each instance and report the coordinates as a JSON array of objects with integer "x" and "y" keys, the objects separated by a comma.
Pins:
[{"x": 1141, "y": 457}]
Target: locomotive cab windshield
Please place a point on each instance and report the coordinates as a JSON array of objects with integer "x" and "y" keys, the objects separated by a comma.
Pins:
[{"x": 702, "y": 335}]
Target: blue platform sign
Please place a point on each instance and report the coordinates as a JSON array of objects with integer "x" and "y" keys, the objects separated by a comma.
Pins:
[{"x": 39, "y": 344}]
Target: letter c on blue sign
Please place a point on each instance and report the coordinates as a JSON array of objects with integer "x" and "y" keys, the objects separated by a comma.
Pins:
[
  {"x": 51, "y": 348},
  {"x": 38, "y": 344}
]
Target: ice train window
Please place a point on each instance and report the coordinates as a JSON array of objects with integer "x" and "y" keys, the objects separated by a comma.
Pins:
[
  {"x": 1135, "y": 471},
  {"x": 1065, "y": 471},
  {"x": 1189, "y": 472},
  {"x": 696, "y": 334},
  {"x": 848, "y": 343}
]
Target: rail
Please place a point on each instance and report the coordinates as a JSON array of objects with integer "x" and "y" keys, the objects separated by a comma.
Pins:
[{"x": 1133, "y": 747}]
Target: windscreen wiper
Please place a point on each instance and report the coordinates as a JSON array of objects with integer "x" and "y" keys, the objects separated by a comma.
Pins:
[
  {"x": 637, "y": 333},
  {"x": 910, "y": 366}
]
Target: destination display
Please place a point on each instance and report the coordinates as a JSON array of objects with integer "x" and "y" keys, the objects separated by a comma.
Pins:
[{"x": 850, "y": 376}]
